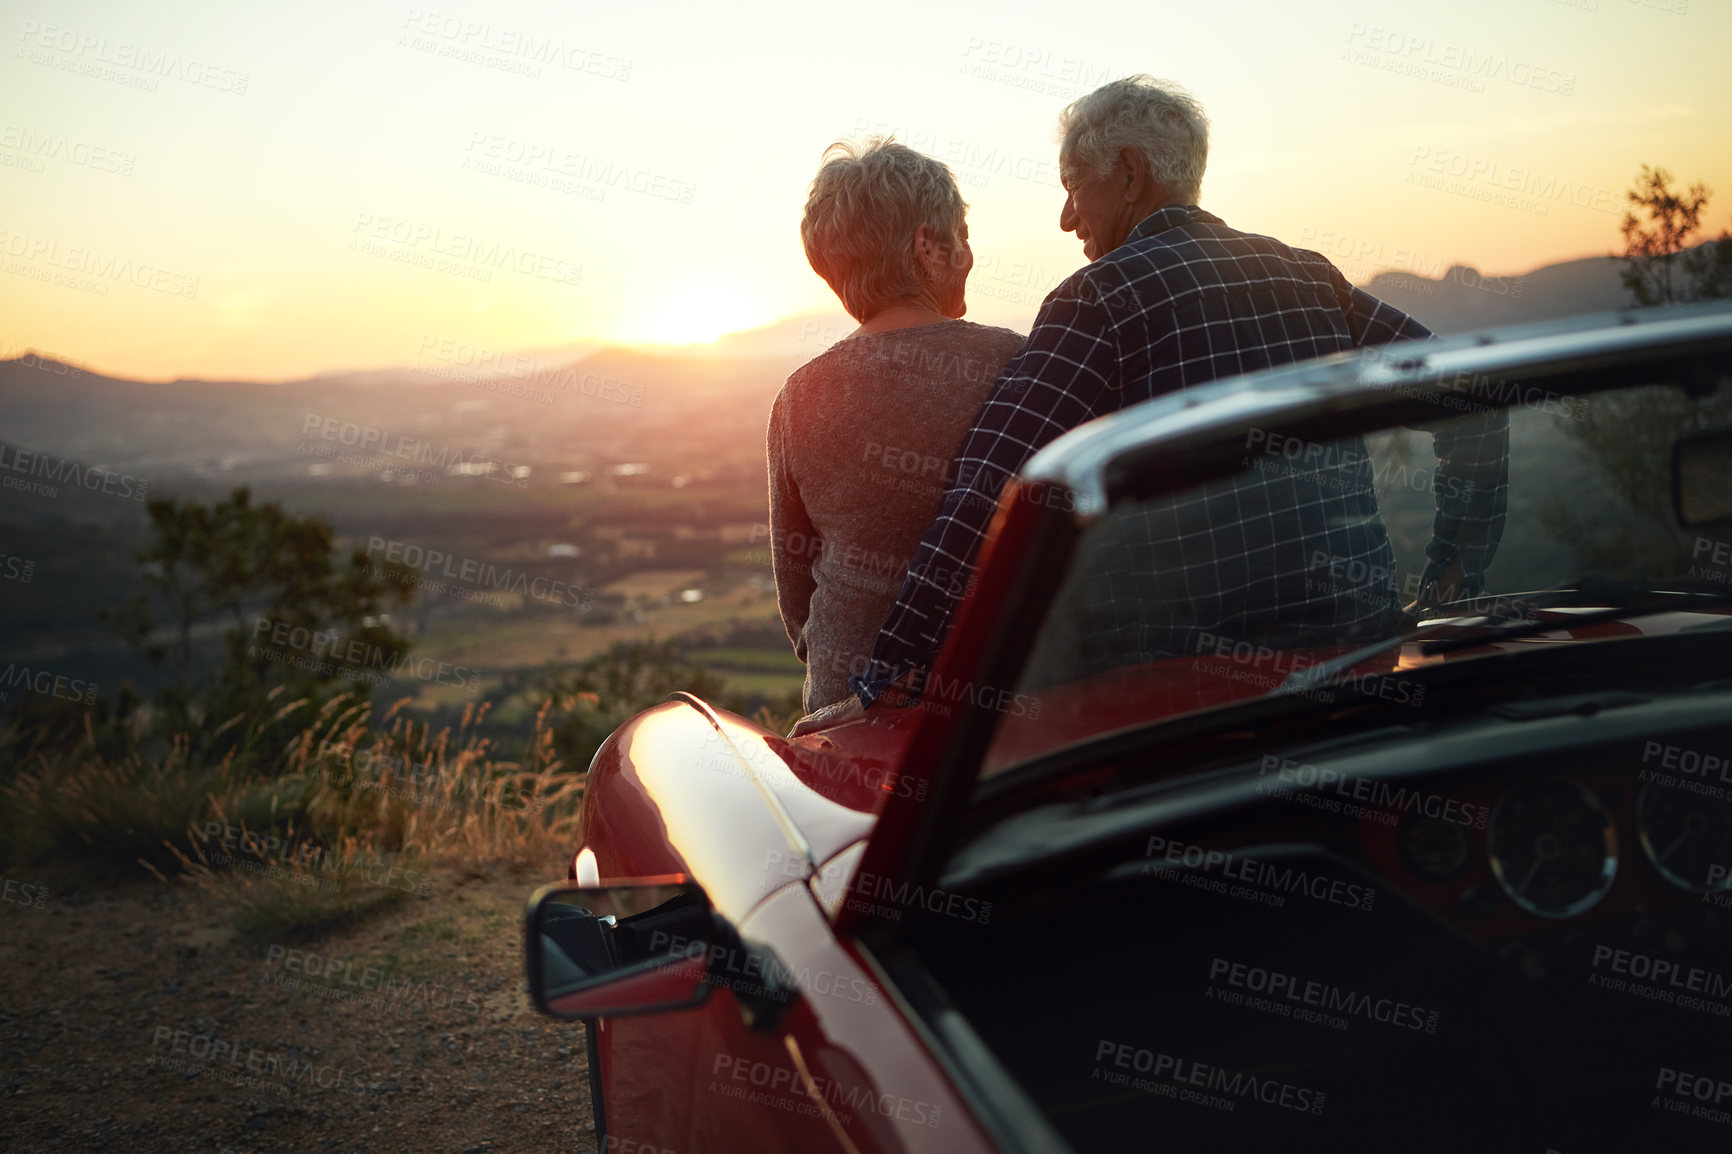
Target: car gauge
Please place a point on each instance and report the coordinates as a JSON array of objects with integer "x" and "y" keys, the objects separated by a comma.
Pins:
[
  {"x": 1687, "y": 836},
  {"x": 1553, "y": 848},
  {"x": 1434, "y": 849}
]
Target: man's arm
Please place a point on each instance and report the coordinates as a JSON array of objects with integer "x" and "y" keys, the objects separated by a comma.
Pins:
[
  {"x": 1471, "y": 481},
  {"x": 1060, "y": 379},
  {"x": 1471, "y": 485},
  {"x": 1371, "y": 321}
]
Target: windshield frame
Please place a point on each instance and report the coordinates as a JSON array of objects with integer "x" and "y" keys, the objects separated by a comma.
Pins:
[{"x": 1178, "y": 441}]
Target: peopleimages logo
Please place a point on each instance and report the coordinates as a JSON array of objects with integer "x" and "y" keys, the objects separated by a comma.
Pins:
[
  {"x": 329, "y": 652},
  {"x": 92, "y": 477},
  {"x": 44, "y": 360},
  {"x": 817, "y": 768},
  {"x": 1675, "y": 979},
  {"x": 746, "y": 971},
  {"x": 1035, "y": 69},
  {"x": 1690, "y": 761},
  {"x": 1115, "y": 1062},
  {"x": 886, "y": 897},
  {"x": 1456, "y": 65},
  {"x": 24, "y": 894},
  {"x": 468, "y": 255},
  {"x": 339, "y": 979},
  {"x": 304, "y": 862},
  {"x": 50, "y": 146},
  {"x": 482, "y": 573},
  {"x": 1691, "y": 1094},
  {"x": 85, "y": 53},
  {"x": 1308, "y": 999},
  {"x": 880, "y": 895},
  {"x": 103, "y": 268},
  {"x": 1268, "y": 669},
  {"x": 881, "y": 572},
  {"x": 970, "y": 161},
  {"x": 770, "y": 1079},
  {"x": 446, "y": 458},
  {"x": 1285, "y": 456},
  {"x": 614, "y": 1144},
  {"x": 504, "y": 48},
  {"x": 49, "y": 684},
  {"x": 221, "y": 1059},
  {"x": 482, "y": 367},
  {"x": 1191, "y": 864},
  {"x": 1372, "y": 792},
  {"x": 1363, "y": 253},
  {"x": 550, "y": 166},
  {"x": 1515, "y": 178}
]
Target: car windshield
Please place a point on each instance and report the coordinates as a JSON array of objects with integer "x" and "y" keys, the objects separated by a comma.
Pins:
[{"x": 1551, "y": 521}]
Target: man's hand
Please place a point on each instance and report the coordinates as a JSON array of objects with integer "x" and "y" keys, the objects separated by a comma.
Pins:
[
  {"x": 846, "y": 710},
  {"x": 1451, "y": 585}
]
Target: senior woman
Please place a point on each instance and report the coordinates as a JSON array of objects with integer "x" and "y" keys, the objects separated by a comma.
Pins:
[{"x": 861, "y": 437}]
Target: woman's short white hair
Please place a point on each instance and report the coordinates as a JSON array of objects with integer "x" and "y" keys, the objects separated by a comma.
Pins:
[
  {"x": 861, "y": 216},
  {"x": 1157, "y": 118}
]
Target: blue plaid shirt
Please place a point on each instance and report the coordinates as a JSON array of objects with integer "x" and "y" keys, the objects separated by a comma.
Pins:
[{"x": 1186, "y": 300}]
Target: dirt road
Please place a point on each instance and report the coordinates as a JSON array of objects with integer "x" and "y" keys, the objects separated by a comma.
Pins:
[{"x": 132, "y": 1019}]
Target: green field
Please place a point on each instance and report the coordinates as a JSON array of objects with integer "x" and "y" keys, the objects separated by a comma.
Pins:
[
  {"x": 771, "y": 672},
  {"x": 739, "y": 659}
]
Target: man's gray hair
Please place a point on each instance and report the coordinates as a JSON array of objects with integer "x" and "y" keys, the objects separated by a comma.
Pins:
[
  {"x": 1157, "y": 118},
  {"x": 861, "y": 215}
]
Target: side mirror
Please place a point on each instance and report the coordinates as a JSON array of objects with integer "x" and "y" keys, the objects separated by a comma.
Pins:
[
  {"x": 601, "y": 951},
  {"x": 1702, "y": 478}
]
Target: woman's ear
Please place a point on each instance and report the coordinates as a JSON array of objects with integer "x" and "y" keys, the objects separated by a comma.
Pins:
[{"x": 926, "y": 254}]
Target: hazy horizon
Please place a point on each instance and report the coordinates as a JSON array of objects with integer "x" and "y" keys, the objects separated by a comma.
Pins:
[{"x": 826, "y": 326}]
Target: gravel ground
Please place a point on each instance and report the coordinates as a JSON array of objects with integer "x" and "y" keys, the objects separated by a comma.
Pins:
[{"x": 131, "y": 1019}]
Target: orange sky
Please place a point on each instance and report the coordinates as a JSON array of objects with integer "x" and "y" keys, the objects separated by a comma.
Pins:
[{"x": 237, "y": 193}]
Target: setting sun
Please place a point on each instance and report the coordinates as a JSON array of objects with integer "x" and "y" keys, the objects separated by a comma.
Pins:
[{"x": 697, "y": 313}]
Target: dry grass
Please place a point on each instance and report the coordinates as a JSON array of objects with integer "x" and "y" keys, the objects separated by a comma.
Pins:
[
  {"x": 117, "y": 812},
  {"x": 355, "y": 815}
]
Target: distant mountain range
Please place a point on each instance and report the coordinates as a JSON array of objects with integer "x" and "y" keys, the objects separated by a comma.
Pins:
[
  {"x": 1462, "y": 300},
  {"x": 607, "y": 405}
]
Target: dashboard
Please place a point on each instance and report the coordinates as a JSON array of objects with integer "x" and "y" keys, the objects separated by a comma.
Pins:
[
  {"x": 1505, "y": 929},
  {"x": 1637, "y": 828}
]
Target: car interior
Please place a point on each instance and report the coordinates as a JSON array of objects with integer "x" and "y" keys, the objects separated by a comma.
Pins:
[{"x": 1494, "y": 950}]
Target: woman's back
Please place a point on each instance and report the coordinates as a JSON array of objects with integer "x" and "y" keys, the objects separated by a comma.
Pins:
[{"x": 860, "y": 440}]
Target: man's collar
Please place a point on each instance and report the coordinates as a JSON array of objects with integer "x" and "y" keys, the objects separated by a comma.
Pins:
[{"x": 1171, "y": 216}]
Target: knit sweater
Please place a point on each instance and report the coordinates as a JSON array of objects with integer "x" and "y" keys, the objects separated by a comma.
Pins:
[{"x": 859, "y": 443}]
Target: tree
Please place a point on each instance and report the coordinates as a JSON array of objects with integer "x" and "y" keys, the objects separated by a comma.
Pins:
[
  {"x": 1628, "y": 435},
  {"x": 1661, "y": 266},
  {"x": 296, "y": 615}
]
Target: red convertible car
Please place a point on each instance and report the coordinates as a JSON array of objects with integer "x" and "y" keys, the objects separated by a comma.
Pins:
[{"x": 1143, "y": 868}]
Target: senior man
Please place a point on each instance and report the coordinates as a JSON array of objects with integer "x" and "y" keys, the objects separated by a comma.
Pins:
[{"x": 1174, "y": 298}]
